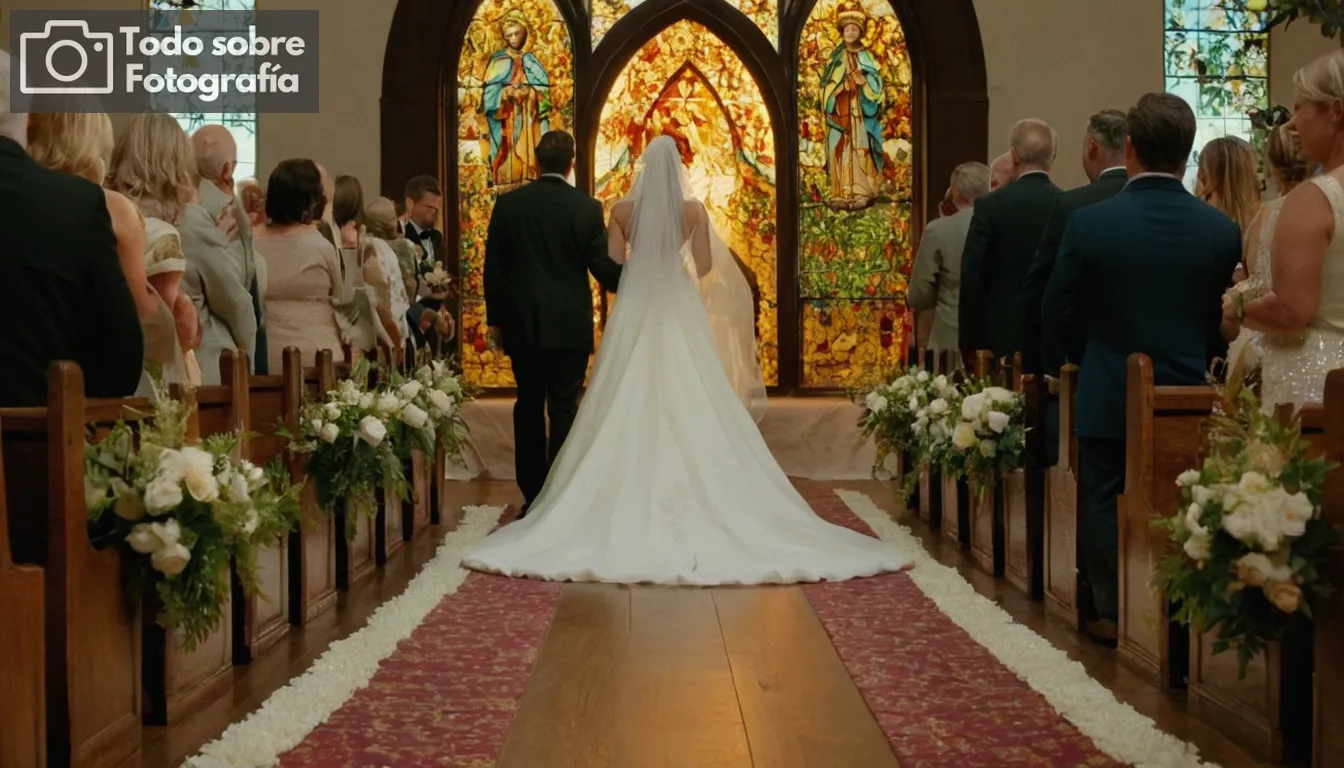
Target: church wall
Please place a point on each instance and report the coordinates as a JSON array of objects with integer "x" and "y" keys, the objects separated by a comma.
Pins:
[{"x": 1289, "y": 49}]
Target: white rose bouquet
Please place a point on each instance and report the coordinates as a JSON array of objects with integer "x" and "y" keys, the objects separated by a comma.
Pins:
[
  {"x": 910, "y": 414},
  {"x": 1251, "y": 539},
  {"x": 185, "y": 512},
  {"x": 988, "y": 435},
  {"x": 441, "y": 394},
  {"x": 349, "y": 437},
  {"x": 435, "y": 277}
]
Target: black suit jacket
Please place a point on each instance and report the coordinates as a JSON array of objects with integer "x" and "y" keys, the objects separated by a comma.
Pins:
[
  {"x": 1037, "y": 355},
  {"x": 1004, "y": 234},
  {"x": 420, "y": 305},
  {"x": 62, "y": 292},
  {"x": 544, "y": 240},
  {"x": 1142, "y": 272}
]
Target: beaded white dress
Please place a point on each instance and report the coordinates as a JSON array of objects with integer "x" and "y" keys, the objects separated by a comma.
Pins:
[
  {"x": 1294, "y": 365},
  {"x": 1245, "y": 351}
]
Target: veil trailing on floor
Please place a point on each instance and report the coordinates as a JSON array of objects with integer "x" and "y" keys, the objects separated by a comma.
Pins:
[{"x": 657, "y": 227}]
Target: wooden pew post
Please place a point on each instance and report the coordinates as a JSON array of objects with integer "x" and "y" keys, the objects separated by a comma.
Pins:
[
  {"x": 313, "y": 554},
  {"x": 955, "y": 522},
  {"x": 23, "y": 707},
  {"x": 1023, "y": 494},
  {"x": 1062, "y": 583},
  {"x": 1328, "y": 693}
]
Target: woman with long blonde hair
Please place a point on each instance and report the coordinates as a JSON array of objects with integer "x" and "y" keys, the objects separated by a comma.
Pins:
[
  {"x": 1228, "y": 179},
  {"x": 1302, "y": 317}
]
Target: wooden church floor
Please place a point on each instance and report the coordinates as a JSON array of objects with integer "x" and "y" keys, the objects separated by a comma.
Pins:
[{"x": 679, "y": 677}]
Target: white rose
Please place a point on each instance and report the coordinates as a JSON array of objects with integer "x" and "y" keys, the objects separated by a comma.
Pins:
[
  {"x": 913, "y": 404},
  {"x": 963, "y": 436},
  {"x": 238, "y": 490},
  {"x": 256, "y": 476},
  {"x": 414, "y": 416},
  {"x": 1199, "y": 548},
  {"x": 142, "y": 539},
  {"x": 922, "y": 376},
  {"x": 410, "y": 389},
  {"x": 198, "y": 474},
  {"x": 372, "y": 431},
  {"x": 938, "y": 407},
  {"x": 940, "y": 381},
  {"x": 162, "y": 495},
  {"x": 329, "y": 433},
  {"x": 441, "y": 400},
  {"x": 316, "y": 424},
  {"x": 1297, "y": 508},
  {"x": 999, "y": 395},
  {"x": 1201, "y": 495},
  {"x": 998, "y": 421},
  {"x": 1192, "y": 515},
  {"x": 387, "y": 404},
  {"x": 333, "y": 411},
  {"x": 1254, "y": 482},
  {"x": 252, "y": 521},
  {"x": 94, "y": 494},
  {"x": 366, "y": 400},
  {"x": 451, "y": 386},
  {"x": 901, "y": 383},
  {"x": 171, "y": 560},
  {"x": 988, "y": 448},
  {"x": 971, "y": 407},
  {"x": 1188, "y": 478},
  {"x": 876, "y": 403},
  {"x": 168, "y": 533},
  {"x": 171, "y": 466}
]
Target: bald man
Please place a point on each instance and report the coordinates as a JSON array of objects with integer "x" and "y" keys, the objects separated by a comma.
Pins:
[
  {"x": 1004, "y": 233},
  {"x": 216, "y": 161},
  {"x": 1001, "y": 171}
]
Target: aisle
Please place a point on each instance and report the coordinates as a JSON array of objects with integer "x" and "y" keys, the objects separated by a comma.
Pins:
[{"x": 910, "y": 668}]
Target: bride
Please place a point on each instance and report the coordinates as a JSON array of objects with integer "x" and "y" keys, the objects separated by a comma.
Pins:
[{"x": 664, "y": 477}]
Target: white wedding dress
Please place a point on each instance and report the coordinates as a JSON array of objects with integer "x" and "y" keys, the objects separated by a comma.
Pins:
[{"x": 665, "y": 478}]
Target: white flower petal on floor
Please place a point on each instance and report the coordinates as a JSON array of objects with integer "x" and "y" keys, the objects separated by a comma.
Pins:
[
  {"x": 291, "y": 713},
  {"x": 1113, "y": 726}
]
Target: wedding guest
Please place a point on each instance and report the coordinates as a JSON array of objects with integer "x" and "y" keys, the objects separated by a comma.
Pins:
[
  {"x": 304, "y": 272},
  {"x": 1228, "y": 179},
  {"x": 60, "y": 279},
  {"x": 384, "y": 279},
  {"x": 1001, "y": 171},
  {"x": 155, "y": 166},
  {"x": 423, "y": 202},
  {"x": 216, "y": 160},
  {"x": 1302, "y": 318},
  {"x": 1005, "y": 231},
  {"x": 935, "y": 279},
  {"x": 1142, "y": 272},
  {"x": 1104, "y": 164}
]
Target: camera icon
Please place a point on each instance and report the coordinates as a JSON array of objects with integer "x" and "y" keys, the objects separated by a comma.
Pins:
[{"x": 66, "y": 57}]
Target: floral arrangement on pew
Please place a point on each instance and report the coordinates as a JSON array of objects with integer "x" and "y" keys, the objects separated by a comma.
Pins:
[
  {"x": 184, "y": 512},
  {"x": 1251, "y": 538},
  {"x": 358, "y": 440},
  {"x": 972, "y": 429}
]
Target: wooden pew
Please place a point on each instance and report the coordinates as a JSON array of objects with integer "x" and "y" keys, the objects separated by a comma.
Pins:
[
  {"x": 1020, "y": 545},
  {"x": 92, "y": 646},
  {"x": 984, "y": 518},
  {"x": 23, "y": 716},
  {"x": 1164, "y": 436},
  {"x": 355, "y": 558},
  {"x": 930, "y": 487},
  {"x": 1268, "y": 712},
  {"x": 1328, "y": 641},
  {"x": 955, "y": 516},
  {"x": 1062, "y": 586}
]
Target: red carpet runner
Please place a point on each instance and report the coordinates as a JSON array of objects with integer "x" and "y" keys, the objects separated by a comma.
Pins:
[{"x": 449, "y": 693}]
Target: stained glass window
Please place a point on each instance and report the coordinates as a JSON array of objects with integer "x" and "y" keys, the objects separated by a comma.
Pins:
[
  {"x": 763, "y": 13},
  {"x": 1216, "y": 56},
  {"x": 515, "y": 81},
  {"x": 856, "y": 173},
  {"x": 239, "y": 114},
  {"x": 687, "y": 83}
]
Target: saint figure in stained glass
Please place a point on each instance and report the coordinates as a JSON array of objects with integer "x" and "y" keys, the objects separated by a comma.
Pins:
[
  {"x": 852, "y": 98},
  {"x": 516, "y": 103}
]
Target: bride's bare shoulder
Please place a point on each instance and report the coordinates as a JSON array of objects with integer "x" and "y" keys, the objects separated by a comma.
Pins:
[
  {"x": 693, "y": 210},
  {"x": 620, "y": 212}
]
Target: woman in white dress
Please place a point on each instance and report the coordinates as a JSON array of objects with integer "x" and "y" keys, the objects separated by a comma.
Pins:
[
  {"x": 665, "y": 478},
  {"x": 1285, "y": 168},
  {"x": 1302, "y": 318}
]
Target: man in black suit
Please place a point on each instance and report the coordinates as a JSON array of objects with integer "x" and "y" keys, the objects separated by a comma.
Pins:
[
  {"x": 62, "y": 292},
  {"x": 544, "y": 240},
  {"x": 424, "y": 200},
  {"x": 1004, "y": 233},
  {"x": 1142, "y": 272}
]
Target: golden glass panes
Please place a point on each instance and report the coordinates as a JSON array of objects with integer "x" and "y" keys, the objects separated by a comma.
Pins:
[
  {"x": 856, "y": 174},
  {"x": 515, "y": 81},
  {"x": 763, "y": 13},
  {"x": 688, "y": 84}
]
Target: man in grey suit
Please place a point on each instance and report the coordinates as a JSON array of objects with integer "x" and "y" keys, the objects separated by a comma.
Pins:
[
  {"x": 935, "y": 280},
  {"x": 217, "y": 159}
]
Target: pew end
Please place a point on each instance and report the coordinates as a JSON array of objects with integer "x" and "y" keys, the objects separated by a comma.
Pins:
[
  {"x": 23, "y": 717},
  {"x": 1064, "y": 584}
]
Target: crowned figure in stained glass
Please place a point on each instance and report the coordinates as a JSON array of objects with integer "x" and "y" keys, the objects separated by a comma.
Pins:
[
  {"x": 852, "y": 99},
  {"x": 516, "y": 102}
]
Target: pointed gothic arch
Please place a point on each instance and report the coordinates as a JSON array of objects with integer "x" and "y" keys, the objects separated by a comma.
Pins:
[{"x": 951, "y": 107}]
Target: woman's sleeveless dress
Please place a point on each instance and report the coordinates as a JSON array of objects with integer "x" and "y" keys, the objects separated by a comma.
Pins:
[
  {"x": 1245, "y": 351},
  {"x": 1295, "y": 365}
]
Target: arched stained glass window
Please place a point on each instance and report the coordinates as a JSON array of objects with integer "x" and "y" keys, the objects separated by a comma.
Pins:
[
  {"x": 240, "y": 109},
  {"x": 689, "y": 84},
  {"x": 763, "y": 13},
  {"x": 856, "y": 178},
  {"x": 515, "y": 81},
  {"x": 1216, "y": 55}
]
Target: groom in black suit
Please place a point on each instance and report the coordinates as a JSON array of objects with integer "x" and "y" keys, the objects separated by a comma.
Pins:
[{"x": 544, "y": 239}]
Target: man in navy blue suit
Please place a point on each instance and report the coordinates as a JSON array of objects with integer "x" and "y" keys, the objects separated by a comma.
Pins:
[{"x": 1144, "y": 271}]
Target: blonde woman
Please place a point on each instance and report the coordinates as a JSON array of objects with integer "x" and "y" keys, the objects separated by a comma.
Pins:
[
  {"x": 1285, "y": 168},
  {"x": 1302, "y": 317},
  {"x": 154, "y": 165},
  {"x": 1228, "y": 180}
]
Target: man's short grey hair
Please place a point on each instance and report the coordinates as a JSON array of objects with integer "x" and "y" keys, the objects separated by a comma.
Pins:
[
  {"x": 971, "y": 180},
  {"x": 214, "y": 147},
  {"x": 1107, "y": 128},
  {"x": 1034, "y": 141},
  {"x": 12, "y": 126}
]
